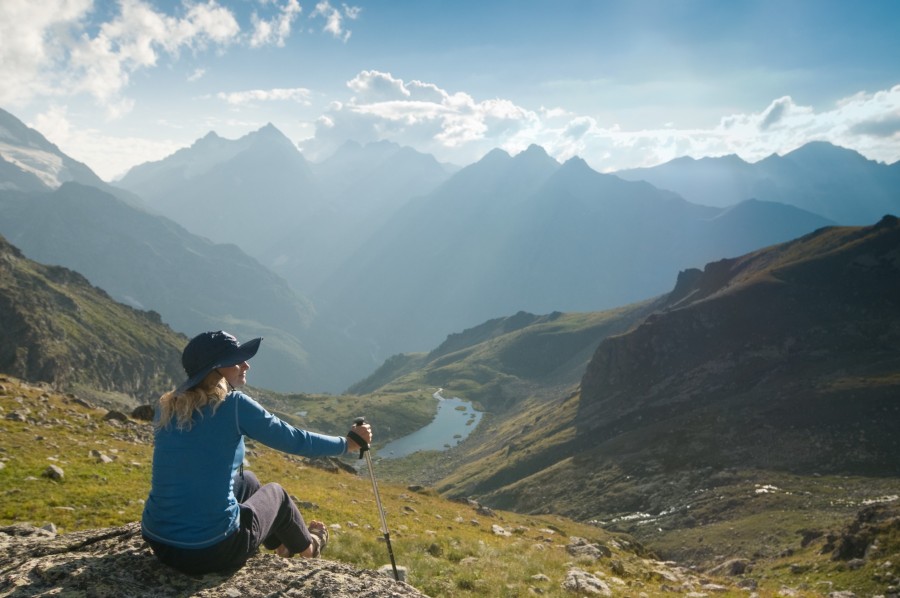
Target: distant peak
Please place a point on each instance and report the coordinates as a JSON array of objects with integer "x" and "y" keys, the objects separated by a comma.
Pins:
[
  {"x": 575, "y": 163},
  {"x": 269, "y": 131},
  {"x": 384, "y": 143},
  {"x": 817, "y": 149},
  {"x": 535, "y": 150},
  {"x": 209, "y": 139},
  {"x": 535, "y": 155},
  {"x": 495, "y": 155}
]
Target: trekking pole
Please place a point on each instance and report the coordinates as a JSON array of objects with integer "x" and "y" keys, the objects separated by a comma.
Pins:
[{"x": 364, "y": 450}]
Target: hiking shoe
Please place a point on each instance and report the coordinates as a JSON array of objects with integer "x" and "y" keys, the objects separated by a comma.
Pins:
[{"x": 319, "y": 535}]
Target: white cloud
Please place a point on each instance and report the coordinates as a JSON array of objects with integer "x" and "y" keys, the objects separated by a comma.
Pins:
[
  {"x": 237, "y": 98},
  {"x": 33, "y": 36},
  {"x": 334, "y": 19},
  {"x": 276, "y": 30},
  {"x": 196, "y": 75},
  {"x": 351, "y": 12},
  {"x": 459, "y": 128},
  {"x": 51, "y": 49},
  {"x": 47, "y": 50}
]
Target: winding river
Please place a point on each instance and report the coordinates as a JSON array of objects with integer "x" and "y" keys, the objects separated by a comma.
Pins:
[{"x": 454, "y": 420}]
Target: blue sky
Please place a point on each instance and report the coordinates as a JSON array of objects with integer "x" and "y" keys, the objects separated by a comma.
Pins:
[{"x": 618, "y": 83}]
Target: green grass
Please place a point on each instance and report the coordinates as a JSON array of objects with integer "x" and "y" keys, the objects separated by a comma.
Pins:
[{"x": 448, "y": 547}]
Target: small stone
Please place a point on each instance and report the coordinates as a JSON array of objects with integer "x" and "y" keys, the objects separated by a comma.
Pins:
[
  {"x": 486, "y": 511},
  {"x": 854, "y": 564},
  {"x": 388, "y": 571},
  {"x": 54, "y": 472}
]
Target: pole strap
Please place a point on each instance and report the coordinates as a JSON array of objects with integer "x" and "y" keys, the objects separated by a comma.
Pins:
[{"x": 363, "y": 445}]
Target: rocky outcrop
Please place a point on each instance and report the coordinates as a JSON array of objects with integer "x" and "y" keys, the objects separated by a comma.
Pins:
[{"x": 117, "y": 562}]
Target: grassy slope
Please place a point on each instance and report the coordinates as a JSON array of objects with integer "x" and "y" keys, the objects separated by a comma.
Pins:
[{"x": 448, "y": 546}]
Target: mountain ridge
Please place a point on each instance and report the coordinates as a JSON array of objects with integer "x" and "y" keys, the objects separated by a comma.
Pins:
[
  {"x": 837, "y": 183},
  {"x": 58, "y": 328}
]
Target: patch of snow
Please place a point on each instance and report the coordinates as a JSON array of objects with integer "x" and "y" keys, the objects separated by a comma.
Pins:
[{"x": 46, "y": 166}]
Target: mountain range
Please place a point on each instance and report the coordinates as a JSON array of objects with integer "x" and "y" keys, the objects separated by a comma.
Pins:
[
  {"x": 398, "y": 250},
  {"x": 775, "y": 362},
  {"x": 834, "y": 182},
  {"x": 378, "y": 250},
  {"x": 151, "y": 263},
  {"x": 525, "y": 233},
  {"x": 298, "y": 218}
]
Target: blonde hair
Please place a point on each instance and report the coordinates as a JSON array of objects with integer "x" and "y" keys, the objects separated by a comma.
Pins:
[{"x": 211, "y": 391}]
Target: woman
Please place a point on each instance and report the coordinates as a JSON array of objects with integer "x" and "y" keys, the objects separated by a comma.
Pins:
[{"x": 204, "y": 512}]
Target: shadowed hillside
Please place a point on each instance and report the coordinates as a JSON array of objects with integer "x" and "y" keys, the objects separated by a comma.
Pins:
[
  {"x": 778, "y": 364},
  {"x": 56, "y": 327},
  {"x": 786, "y": 358}
]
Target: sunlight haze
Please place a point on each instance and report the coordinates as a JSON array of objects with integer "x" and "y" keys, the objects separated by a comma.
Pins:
[{"x": 621, "y": 84}]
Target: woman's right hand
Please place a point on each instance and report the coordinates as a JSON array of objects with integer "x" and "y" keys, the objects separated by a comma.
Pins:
[{"x": 365, "y": 432}]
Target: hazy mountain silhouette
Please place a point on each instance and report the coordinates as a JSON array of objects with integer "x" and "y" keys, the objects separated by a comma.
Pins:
[
  {"x": 248, "y": 191},
  {"x": 526, "y": 233},
  {"x": 831, "y": 181},
  {"x": 299, "y": 219},
  {"x": 149, "y": 262},
  {"x": 361, "y": 187}
]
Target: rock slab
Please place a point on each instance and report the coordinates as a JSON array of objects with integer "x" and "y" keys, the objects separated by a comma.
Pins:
[{"x": 115, "y": 562}]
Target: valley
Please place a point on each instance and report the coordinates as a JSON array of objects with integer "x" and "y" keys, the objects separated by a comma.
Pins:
[{"x": 666, "y": 396}]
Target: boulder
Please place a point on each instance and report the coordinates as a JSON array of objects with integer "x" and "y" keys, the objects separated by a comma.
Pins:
[
  {"x": 143, "y": 413},
  {"x": 117, "y": 562}
]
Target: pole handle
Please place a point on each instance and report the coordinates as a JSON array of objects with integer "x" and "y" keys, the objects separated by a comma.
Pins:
[{"x": 363, "y": 445}]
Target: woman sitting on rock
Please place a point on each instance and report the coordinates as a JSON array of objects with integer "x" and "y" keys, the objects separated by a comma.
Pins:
[{"x": 204, "y": 512}]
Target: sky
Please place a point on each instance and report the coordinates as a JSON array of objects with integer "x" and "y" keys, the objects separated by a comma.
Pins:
[{"x": 618, "y": 83}]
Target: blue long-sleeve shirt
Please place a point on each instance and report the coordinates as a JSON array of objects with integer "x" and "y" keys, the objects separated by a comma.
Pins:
[{"x": 191, "y": 502}]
